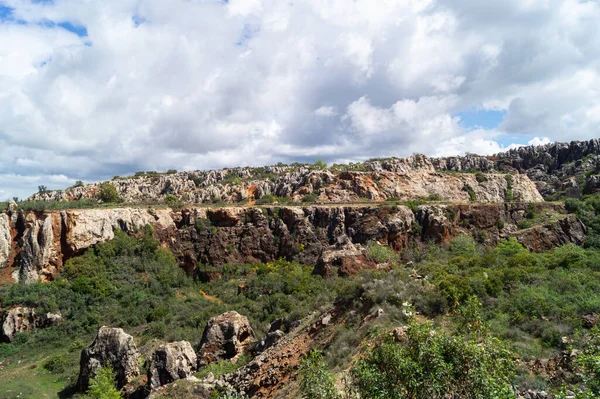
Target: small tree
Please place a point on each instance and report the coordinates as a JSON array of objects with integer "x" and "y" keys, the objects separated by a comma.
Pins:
[
  {"x": 108, "y": 193},
  {"x": 320, "y": 164},
  {"x": 42, "y": 189},
  {"x": 102, "y": 385},
  {"x": 315, "y": 381},
  {"x": 78, "y": 183}
]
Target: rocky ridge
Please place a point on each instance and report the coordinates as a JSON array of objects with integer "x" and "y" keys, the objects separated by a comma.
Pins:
[
  {"x": 556, "y": 168},
  {"x": 409, "y": 178},
  {"x": 332, "y": 237}
]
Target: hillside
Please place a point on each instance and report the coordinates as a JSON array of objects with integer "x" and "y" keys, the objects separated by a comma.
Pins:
[{"x": 306, "y": 281}]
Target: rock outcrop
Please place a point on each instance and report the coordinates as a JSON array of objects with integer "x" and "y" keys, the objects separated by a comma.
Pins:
[
  {"x": 23, "y": 319},
  {"x": 171, "y": 362},
  {"x": 227, "y": 336},
  {"x": 113, "y": 347},
  {"x": 332, "y": 237},
  {"x": 19, "y": 319},
  {"x": 409, "y": 178},
  {"x": 5, "y": 240}
]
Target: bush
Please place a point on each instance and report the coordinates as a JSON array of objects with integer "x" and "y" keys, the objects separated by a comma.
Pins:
[
  {"x": 509, "y": 196},
  {"x": 102, "y": 385},
  {"x": 315, "y": 381},
  {"x": 57, "y": 364},
  {"x": 173, "y": 202},
  {"x": 108, "y": 193},
  {"x": 480, "y": 177},
  {"x": 433, "y": 365},
  {"x": 312, "y": 197},
  {"x": 266, "y": 199}
]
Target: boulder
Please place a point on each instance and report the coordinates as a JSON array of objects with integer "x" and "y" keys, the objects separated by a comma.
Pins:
[
  {"x": 171, "y": 362},
  {"x": 269, "y": 340},
  {"x": 227, "y": 336},
  {"x": 113, "y": 347},
  {"x": 19, "y": 319}
]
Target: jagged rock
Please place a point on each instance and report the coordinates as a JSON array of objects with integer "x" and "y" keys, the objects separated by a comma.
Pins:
[
  {"x": 566, "y": 230},
  {"x": 590, "y": 320},
  {"x": 5, "y": 240},
  {"x": 171, "y": 362},
  {"x": 250, "y": 235},
  {"x": 114, "y": 347},
  {"x": 227, "y": 336},
  {"x": 19, "y": 319},
  {"x": 269, "y": 340},
  {"x": 345, "y": 261},
  {"x": 22, "y": 319}
]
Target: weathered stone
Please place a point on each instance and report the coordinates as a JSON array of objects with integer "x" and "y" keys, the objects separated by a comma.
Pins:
[
  {"x": 227, "y": 336},
  {"x": 269, "y": 340},
  {"x": 5, "y": 240},
  {"x": 112, "y": 347},
  {"x": 19, "y": 319},
  {"x": 171, "y": 362}
]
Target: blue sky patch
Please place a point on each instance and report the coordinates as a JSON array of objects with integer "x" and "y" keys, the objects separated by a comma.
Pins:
[
  {"x": 6, "y": 13},
  {"x": 481, "y": 118},
  {"x": 138, "y": 20},
  {"x": 79, "y": 30}
]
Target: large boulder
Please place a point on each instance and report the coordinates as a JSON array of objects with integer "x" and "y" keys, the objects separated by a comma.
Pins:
[
  {"x": 15, "y": 320},
  {"x": 171, "y": 362},
  {"x": 112, "y": 347},
  {"x": 22, "y": 319},
  {"x": 227, "y": 336}
]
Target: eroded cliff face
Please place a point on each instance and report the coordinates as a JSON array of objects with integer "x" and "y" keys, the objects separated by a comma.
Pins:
[
  {"x": 409, "y": 178},
  {"x": 36, "y": 245}
]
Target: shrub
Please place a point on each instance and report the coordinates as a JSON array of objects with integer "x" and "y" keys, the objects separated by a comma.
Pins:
[
  {"x": 480, "y": 177},
  {"x": 434, "y": 197},
  {"x": 462, "y": 245},
  {"x": 509, "y": 196},
  {"x": 315, "y": 381},
  {"x": 102, "y": 385},
  {"x": 108, "y": 193},
  {"x": 173, "y": 202},
  {"x": 471, "y": 192},
  {"x": 320, "y": 164},
  {"x": 433, "y": 365},
  {"x": 57, "y": 364},
  {"x": 266, "y": 199},
  {"x": 312, "y": 197},
  {"x": 381, "y": 253}
]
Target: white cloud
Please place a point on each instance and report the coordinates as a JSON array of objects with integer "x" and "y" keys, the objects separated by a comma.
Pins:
[{"x": 208, "y": 83}]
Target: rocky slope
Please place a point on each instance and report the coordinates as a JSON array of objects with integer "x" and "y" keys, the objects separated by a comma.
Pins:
[
  {"x": 36, "y": 245},
  {"x": 410, "y": 178},
  {"x": 557, "y": 169}
]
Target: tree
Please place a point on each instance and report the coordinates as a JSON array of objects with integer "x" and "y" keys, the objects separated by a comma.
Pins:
[
  {"x": 102, "y": 385},
  {"x": 42, "y": 189},
  {"x": 108, "y": 193},
  {"x": 315, "y": 381},
  {"x": 320, "y": 164},
  {"x": 78, "y": 183}
]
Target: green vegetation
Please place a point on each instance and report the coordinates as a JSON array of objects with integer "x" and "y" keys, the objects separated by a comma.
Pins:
[
  {"x": 315, "y": 381},
  {"x": 431, "y": 364},
  {"x": 102, "y": 385},
  {"x": 108, "y": 193}
]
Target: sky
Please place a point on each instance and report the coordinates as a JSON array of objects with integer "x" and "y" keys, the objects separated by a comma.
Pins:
[{"x": 90, "y": 89}]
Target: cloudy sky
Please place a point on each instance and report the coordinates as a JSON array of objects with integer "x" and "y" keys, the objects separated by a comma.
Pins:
[{"x": 90, "y": 89}]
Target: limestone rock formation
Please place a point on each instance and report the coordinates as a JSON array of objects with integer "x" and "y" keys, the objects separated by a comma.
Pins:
[
  {"x": 5, "y": 240},
  {"x": 227, "y": 336},
  {"x": 409, "y": 178},
  {"x": 171, "y": 362},
  {"x": 23, "y": 319},
  {"x": 19, "y": 319},
  {"x": 113, "y": 347},
  {"x": 269, "y": 340},
  {"x": 334, "y": 237}
]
